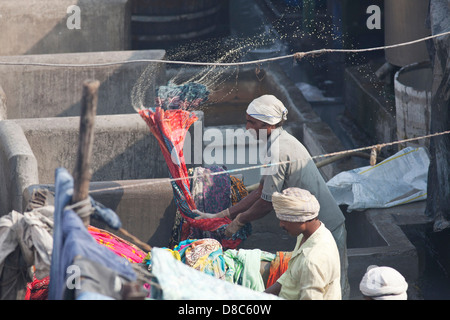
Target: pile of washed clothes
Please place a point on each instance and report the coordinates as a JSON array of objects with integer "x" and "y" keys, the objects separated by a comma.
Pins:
[{"x": 48, "y": 253}]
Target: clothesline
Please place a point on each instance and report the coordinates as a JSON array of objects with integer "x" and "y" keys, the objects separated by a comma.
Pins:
[
  {"x": 297, "y": 55},
  {"x": 377, "y": 146}
]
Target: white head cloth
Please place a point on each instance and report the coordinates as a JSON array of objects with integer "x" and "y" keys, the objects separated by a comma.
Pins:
[
  {"x": 295, "y": 205},
  {"x": 268, "y": 109},
  {"x": 383, "y": 283}
]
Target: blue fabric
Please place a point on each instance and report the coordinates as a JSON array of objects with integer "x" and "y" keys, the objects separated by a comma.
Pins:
[
  {"x": 71, "y": 238},
  {"x": 63, "y": 195},
  {"x": 106, "y": 215}
]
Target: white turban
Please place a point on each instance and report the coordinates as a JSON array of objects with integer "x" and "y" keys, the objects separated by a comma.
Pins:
[
  {"x": 383, "y": 283},
  {"x": 267, "y": 109},
  {"x": 295, "y": 205}
]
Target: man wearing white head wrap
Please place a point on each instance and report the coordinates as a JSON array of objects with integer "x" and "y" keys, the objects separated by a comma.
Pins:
[
  {"x": 314, "y": 268},
  {"x": 383, "y": 283},
  {"x": 291, "y": 167},
  {"x": 268, "y": 109},
  {"x": 295, "y": 205}
]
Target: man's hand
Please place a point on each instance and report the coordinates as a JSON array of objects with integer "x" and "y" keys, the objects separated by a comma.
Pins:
[
  {"x": 233, "y": 227},
  {"x": 203, "y": 215}
]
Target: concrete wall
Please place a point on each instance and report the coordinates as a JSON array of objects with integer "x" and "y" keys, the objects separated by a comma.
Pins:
[
  {"x": 369, "y": 106},
  {"x": 41, "y": 26},
  {"x": 123, "y": 147},
  {"x": 39, "y": 92},
  {"x": 18, "y": 167},
  {"x": 2, "y": 104},
  {"x": 320, "y": 140}
]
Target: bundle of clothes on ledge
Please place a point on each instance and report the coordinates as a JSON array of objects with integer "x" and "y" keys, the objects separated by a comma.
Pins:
[{"x": 48, "y": 253}]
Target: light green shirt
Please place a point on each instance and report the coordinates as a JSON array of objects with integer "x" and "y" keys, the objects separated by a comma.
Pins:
[
  {"x": 313, "y": 271},
  {"x": 301, "y": 172}
]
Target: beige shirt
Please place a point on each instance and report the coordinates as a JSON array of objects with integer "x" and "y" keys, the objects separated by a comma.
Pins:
[
  {"x": 301, "y": 172},
  {"x": 313, "y": 271}
]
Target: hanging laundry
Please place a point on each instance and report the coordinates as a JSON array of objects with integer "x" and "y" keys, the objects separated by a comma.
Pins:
[
  {"x": 71, "y": 239},
  {"x": 212, "y": 193}
]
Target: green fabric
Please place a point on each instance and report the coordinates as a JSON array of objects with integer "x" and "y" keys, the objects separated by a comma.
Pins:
[{"x": 243, "y": 267}]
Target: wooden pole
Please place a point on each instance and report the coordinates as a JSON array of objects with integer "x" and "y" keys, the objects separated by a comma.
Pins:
[{"x": 82, "y": 171}]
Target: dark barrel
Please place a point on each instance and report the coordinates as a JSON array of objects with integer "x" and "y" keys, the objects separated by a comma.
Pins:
[{"x": 158, "y": 24}]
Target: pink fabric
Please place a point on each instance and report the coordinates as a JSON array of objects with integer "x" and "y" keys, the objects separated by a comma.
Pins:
[{"x": 118, "y": 245}]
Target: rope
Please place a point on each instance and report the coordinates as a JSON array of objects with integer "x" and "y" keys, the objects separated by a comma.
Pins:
[
  {"x": 376, "y": 147},
  {"x": 297, "y": 55},
  {"x": 82, "y": 208}
]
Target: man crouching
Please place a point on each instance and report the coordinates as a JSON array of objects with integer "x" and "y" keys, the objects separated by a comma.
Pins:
[{"x": 313, "y": 271}]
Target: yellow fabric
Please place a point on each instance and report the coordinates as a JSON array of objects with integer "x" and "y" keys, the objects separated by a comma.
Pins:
[{"x": 314, "y": 269}]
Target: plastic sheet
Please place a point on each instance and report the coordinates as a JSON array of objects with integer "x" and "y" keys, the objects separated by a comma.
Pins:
[{"x": 400, "y": 179}]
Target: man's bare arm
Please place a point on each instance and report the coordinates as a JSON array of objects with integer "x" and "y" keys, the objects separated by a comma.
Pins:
[
  {"x": 274, "y": 289},
  {"x": 257, "y": 211},
  {"x": 246, "y": 203}
]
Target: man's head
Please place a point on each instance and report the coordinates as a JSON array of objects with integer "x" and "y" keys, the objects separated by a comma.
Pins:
[
  {"x": 265, "y": 113},
  {"x": 295, "y": 208}
]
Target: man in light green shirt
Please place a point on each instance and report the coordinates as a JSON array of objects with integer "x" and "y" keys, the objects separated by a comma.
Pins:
[{"x": 313, "y": 271}]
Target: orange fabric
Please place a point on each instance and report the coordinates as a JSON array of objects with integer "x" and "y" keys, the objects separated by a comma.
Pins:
[{"x": 278, "y": 266}]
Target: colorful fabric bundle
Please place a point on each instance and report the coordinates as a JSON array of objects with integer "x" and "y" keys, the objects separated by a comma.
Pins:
[
  {"x": 170, "y": 127},
  {"x": 238, "y": 190},
  {"x": 236, "y": 193},
  {"x": 37, "y": 289},
  {"x": 211, "y": 193},
  {"x": 117, "y": 245},
  {"x": 278, "y": 266},
  {"x": 205, "y": 255}
]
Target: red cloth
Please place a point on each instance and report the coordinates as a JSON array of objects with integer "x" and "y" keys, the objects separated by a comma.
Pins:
[
  {"x": 37, "y": 289},
  {"x": 278, "y": 266},
  {"x": 169, "y": 127}
]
